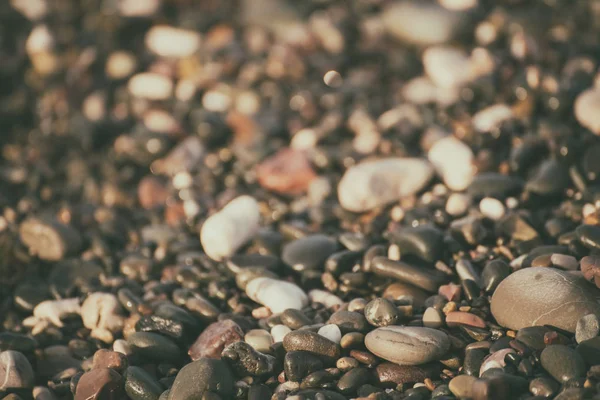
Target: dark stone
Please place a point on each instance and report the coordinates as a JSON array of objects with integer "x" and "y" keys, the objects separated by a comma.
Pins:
[
  {"x": 353, "y": 379},
  {"x": 401, "y": 374},
  {"x": 312, "y": 342},
  {"x": 214, "y": 338},
  {"x": 493, "y": 273},
  {"x": 544, "y": 387},
  {"x": 589, "y": 236},
  {"x": 494, "y": 185},
  {"x": 164, "y": 326},
  {"x": 100, "y": 384},
  {"x": 294, "y": 319},
  {"x": 140, "y": 385},
  {"x": 309, "y": 252},
  {"x": 202, "y": 376},
  {"x": 349, "y": 321},
  {"x": 551, "y": 178},
  {"x": 29, "y": 294},
  {"x": 589, "y": 350},
  {"x": 342, "y": 261},
  {"x": 427, "y": 279},
  {"x": 155, "y": 347},
  {"x": 299, "y": 364},
  {"x": 381, "y": 312},
  {"x": 17, "y": 341},
  {"x": 563, "y": 363},
  {"x": 246, "y": 361},
  {"x": 71, "y": 276},
  {"x": 423, "y": 241},
  {"x": 533, "y": 336},
  {"x": 239, "y": 262}
]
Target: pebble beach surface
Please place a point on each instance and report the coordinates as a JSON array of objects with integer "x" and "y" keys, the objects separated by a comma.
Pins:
[{"x": 299, "y": 200}]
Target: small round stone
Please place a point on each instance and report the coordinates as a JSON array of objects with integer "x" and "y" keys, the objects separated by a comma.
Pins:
[
  {"x": 102, "y": 383},
  {"x": 462, "y": 386},
  {"x": 260, "y": 339},
  {"x": 381, "y": 312},
  {"x": 432, "y": 318},
  {"x": 586, "y": 108},
  {"x": 276, "y": 294}
]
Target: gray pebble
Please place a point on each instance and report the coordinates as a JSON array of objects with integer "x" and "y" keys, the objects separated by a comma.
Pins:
[
  {"x": 587, "y": 327},
  {"x": 562, "y": 362},
  {"x": 15, "y": 370},
  {"x": 406, "y": 345}
]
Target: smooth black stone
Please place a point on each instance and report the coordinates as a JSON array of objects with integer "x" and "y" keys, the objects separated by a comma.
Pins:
[
  {"x": 71, "y": 276},
  {"x": 428, "y": 279},
  {"x": 494, "y": 185},
  {"x": 81, "y": 349},
  {"x": 155, "y": 347},
  {"x": 471, "y": 230},
  {"x": 527, "y": 154},
  {"x": 129, "y": 300},
  {"x": 353, "y": 279},
  {"x": 309, "y": 252},
  {"x": 551, "y": 178},
  {"x": 373, "y": 251},
  {"x": 533, "y": 337},
  {"x": 563, "y": 363},
  {"x": 238, "y": 262},
  {"x": 381, "y": 312},
  {"x": 299, "y": 364},
  {"x": 318, "y": 379},
  {"x": 294, "y": 319},
  {"x": 502, "y": 343},
  {"x": 29, "y": 294},
  {"x": 589, "y": 236},
  {"x": 471, "y": 289},
  {"x": 349, "y": 321},
  {"x": 140, "y": 385},
  {"x": 441, "y": 391},
  {"x": 165, "y": 326},
  {"x": 367, "y": 389},
  {"x": 497, "y": 385},
  {"x": 589, "y": 350},
  {"x": 559, "y": 225},
  {"x": 544, "y": 387},
  {"x": 201, "y": 376},
  {"x": 267, "y": 242},
  {"x": 591, "y": 163},
  {"x": 424, "y": 241},
  {"x": 573, "y": 394},
  {"x": 259, "y": 392},
  {"x": 246, "y": 361},
  {"x": 493, "y": 273},
  {"x": 543, "y": 250},
  {"x": 473, "y": 360},
  {"x": 354, "y": 241},
  {"x": 353, "y": 379},
  {"x": 17, "y": 342},
  {"x": 342, "y": 261},
  {"x": 311, "y": 394}
]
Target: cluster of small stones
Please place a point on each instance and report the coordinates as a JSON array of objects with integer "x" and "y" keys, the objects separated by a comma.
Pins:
[{"x": 301, "y": 200}]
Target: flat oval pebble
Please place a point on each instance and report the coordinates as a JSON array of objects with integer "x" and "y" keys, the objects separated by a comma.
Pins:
[
  {"x": 15, "y": 370},
  {"x": 543, "y": 296},
  {"x": 372, "y": 184},
  {"x": 309, "y": 252},
  {"x": 494, "y": 185},
  {"x": 406, "y": 345},
  {"x": 227, "y": 230},
  {"x": 563, "y": 363},
  {"x": 97, "y": 384},
  {"x": 48, "y": 239},
  {"x": 202, "y": 376},
  {"x": 423, "y": 241},
  {"x": 154, "y": 346},
  {"x": 140, "y": 385},
  {"x": 277, "y": 295},
  {"x": 589, "y": 236},
  {"x": 399, "y": 374},
  {"x": 453, "y": 161}
]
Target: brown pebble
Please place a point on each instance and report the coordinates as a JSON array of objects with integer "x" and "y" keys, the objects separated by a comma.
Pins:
[
  {"x": 364, "y": 357},
  {"x": 352, "y": 340},
  {"x": 104, "y": 358},
  {"x": 346, "y": 363},
  {"x": 450, "y": 291},
  {"x": 401, "y": 374},
  {"x": 542, "y": 261},
  {"x": 215, "y": 338},
  {"x": 287, "y": 172},
  {"x": 398, "y": 291},
  {"x": 457, "y": 318},
  {"x": 152, "y": 192},
  {"x": 590, "y": 267},
  {"x": 100, "y": 384},
  {"x": 554, "y": 337}
]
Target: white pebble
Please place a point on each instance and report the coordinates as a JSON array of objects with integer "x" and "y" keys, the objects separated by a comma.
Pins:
[
  {"x": 587, "y": 109},
  {"x": 327, "y": 299},
  {"x": 121, "y": 346},
  {"x": 453, "y": 161},
  {"x": 447, "y": 66},
  {"x": 491, "y": 117},
  {"x": 40, "y": 39},
  {"x": 151, "y": 86},
  {"x": 138, "y": 8},
  {"x": 278, "y": 332},
  {"x": 421, "y": 90},
  {"x": 55, "y": 310},
  {"x": 168, "y": 41},
  {"x": 31, "y": 9},
  {"x": 102, "y": 311},
  {"x": 120, "y": 65},
  {"x": 564, "y": 261},
  {"x": 457, "y": 204},
  {"x": 227, "y": 230},
  {"x": 458, "y": 5},
  {"x": 331, "y": 332},
  {"x": 277, "y": 295},
  {"x": 491, "y": 208},
  {"x": 372, "y": 184},
  {"x": 517, "y": 263}
]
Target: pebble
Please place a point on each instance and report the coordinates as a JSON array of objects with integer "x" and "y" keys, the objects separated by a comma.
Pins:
[
  {"x": 427, "y": 279},
  {"x": 104, "y": 358},
  {"x": 432, "y": 318},
  {"x": 406, "y": 292},
  {"x": 102, "y": 311},
  {"x": 277, "y": 295},
  {"x": 259, "y": 339},
  {"x": 492, "y": 208},
  {"x": 447, "y": 66},
  {"x": 543, "y": 387},
  {"x": 462, "y": 386},
  {"x": 224, "y": 232},
  {"x": 564, "y": 261},
  {"x": 140, "y": 385},
  {"x": 543, "y": 296},
  {"x": 589, "y": 350},
  {"x": 160, "y": 38},
  {"x": 215, "y": 337},
  {"x": 150, "y": 86},
  {"x": 407, "y": 345},
  {"x": 246, "y": 361},
  {"x": 102, "y": 383},
  {"x": 423, "y": 241},
  {"x": 533, "y": 336},
  {"x": 202, "y": 376},
  {"x": 493, "y": 273},
  {"x": 382, "y": 182},
  {"x": 401, "y": 374},
  {"x": 491, "y": 117},
  {"x": 57, "y": 310},
  {"x": 496, "y": 360},
  {"x": 331, "y": 332},
  {"x": 457, "y": 204},
  {"x": 299, "y": 364},
  {"x": 349, "y": 321},
  {"x": 15, "y": 370},
  {"x": 563, "y": 363},
  {"x": 423, "y": 24},
  {"x": 278, "y": 332},
  {"x": 154, "y": 347},
  {"x": 589, "y": 236},
  {"x": 381, "y": 312},
  {"x": 587, "y": 327},
  {"x": 353, "y": 379},
  {"x": 326, "y": 298},
  {"x": 457, "y": 318},
  {"x": 586, "y": 108},
  {"x": 311, "y": 342},
  {"x": 308, "y": 253},
  {"x": 453, "y": 161},
  {"x": 287, "y": 172},
  {"x": 49, "y": 240}
]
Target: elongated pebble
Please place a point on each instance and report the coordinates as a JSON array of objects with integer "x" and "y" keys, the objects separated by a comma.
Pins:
[
  {"x": 277, "y": 295},
  {"x": 227, "y": 230},
  {"x": 151, "y": 86},
  {"x": 407, "y": 345},
  {"x": 168, "y": 41},
  {"x": 326, "y": 298}
]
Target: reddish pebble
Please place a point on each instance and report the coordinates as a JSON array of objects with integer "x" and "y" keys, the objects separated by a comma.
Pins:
[
  {"x": 215, "y": 338},
  {"x": 450, "y": 291},
  {"x": 104, "y": 358},
  {"x": 457, "y": 318},
  {"x": 287, "y": 172},
  {"x": 100, "y": 384},
  {"x": 152, "y": 193}
]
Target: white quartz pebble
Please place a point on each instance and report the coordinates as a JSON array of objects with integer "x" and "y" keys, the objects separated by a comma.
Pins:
[
  {"x": 278, "y": 332},
  {"x": 457, "y": 204},
  {"x": 168, "y": 41},
  {"x": 447, "y": 66},
  {"x": 331, "y": 332},
  {"x": 587, "y": 109},
  {"x": 372, "y": 184},
  {"x": 453, "y": 161},
  {"x": 491, "y": 117},
  {"x": 55, "y": 310},
  {"x": 150, "y": 86},
  {"x": 103, "y": 311},
  {"x": 227, "y": 230},
  {"x": 492, "y": 208},
  {"x": 325, "y": 298},
  {"x": 277, "y": 295}
]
